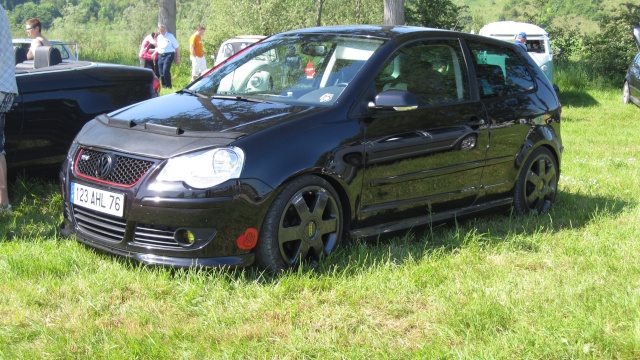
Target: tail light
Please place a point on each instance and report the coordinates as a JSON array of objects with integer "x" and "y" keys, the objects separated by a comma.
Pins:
[{"x": 156, "y": 86}]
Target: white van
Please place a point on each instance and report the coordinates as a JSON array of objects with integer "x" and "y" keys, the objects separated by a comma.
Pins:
[{"x": 538, "y": 44}]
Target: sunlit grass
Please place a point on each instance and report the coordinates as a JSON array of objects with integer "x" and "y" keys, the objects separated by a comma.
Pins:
[{"x": 560, "y": 285}]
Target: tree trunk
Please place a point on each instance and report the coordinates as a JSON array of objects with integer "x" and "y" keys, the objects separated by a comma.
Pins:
[
  {"x": 319, "y": 22},
  {"x": 167, "y": 15},
  {"x": 393, "y": 12}
]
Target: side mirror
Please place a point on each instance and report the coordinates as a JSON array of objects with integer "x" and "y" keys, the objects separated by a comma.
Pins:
[{"x": 398, "y": 100}]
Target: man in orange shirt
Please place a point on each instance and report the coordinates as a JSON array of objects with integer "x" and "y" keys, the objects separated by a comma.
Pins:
[{"x": 196, "y": 54}]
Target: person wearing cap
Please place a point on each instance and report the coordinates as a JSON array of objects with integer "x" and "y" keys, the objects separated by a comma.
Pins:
[{"x": 521, "y": 39}]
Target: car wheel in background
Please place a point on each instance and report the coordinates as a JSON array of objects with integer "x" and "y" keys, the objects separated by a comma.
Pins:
[
  {"x": 625, "y": 93},
  {"x": 304, "y": 223},
  {"x": 537, "y": 185}
]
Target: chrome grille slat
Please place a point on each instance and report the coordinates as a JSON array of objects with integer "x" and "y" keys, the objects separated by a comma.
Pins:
[
  {"x": 158, "y": 238},
  {"x": 100, "y": 226}
]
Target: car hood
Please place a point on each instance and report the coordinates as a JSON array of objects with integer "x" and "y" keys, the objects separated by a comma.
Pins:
[{"x": 184, "y": 123}]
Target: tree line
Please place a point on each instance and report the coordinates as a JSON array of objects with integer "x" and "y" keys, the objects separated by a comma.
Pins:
[{"x": 121, "y": 24}]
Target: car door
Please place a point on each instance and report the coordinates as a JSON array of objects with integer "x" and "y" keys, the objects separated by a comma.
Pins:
[
  {"x": 430, "y": 159},
  {"x": 507, "y": 89}
]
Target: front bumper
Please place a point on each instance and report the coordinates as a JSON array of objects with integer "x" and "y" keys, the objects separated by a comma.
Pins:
[{"x": 171, "y": 225}]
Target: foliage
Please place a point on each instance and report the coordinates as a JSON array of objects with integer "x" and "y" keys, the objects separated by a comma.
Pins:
[
  {"x": 611, "y": 50},
  {"x": 539, "y": 12},
  {"x": 420, "y": 13},
  {"x": 105, "y": 35},
  {"x": 567, "y": 42},
  {"x": 45, "y": 12}
]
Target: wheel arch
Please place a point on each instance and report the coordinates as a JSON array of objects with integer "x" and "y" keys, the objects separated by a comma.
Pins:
[{"x": 338, "y": 185}]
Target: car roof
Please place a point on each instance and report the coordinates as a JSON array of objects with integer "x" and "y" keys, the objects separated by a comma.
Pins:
[
  {"x": 245, "y": 38},
  {"x": 379, "y": 31},
  {"x": 511, "y": 28}
]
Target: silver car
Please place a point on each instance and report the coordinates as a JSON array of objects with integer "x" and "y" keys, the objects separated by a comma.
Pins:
[{"x": 68, "y": 49}]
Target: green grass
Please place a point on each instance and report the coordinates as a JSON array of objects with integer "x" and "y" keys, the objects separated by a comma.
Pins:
[{"x": 563, "y": 285}]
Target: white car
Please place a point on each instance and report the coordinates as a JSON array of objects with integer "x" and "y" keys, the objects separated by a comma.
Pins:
[
  {"x": 68, "y": 49},
  {"x": 233, "y": 45}
]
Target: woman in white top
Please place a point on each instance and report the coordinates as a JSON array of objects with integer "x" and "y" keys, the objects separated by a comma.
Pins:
[{"x": 34, "y": 28}]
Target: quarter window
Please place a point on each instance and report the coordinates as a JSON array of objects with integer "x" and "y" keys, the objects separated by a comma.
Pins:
[{"x": 499, "y": 71}]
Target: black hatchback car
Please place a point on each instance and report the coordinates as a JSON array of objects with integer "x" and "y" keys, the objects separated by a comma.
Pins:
[
  {"x": 311, "y": 137},
  {"x": 631, "y": 86}
]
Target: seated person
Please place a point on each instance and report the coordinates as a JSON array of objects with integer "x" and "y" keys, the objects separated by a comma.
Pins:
[{"x": 34, "y": 28}]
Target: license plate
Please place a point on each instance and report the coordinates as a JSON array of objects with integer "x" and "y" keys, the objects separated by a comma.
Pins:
[{"x": 99, "y": 200}]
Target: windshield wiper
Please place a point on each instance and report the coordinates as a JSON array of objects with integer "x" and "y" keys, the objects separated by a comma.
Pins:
[
  {"x": 193, "y": 92},
  {"x": 240, "y": 98}
]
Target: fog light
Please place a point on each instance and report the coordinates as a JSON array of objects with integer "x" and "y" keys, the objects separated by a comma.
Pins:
[{"x": 184, "y": 237}]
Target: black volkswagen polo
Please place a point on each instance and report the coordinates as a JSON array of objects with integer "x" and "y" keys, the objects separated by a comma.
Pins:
[{"x": 312, "y": 137}]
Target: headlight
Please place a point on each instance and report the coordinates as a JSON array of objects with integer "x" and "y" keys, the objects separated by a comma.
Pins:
[
  {"x": 543, "y": 68},
  {"x": 204, "y": 169},
  {"x": 256, "y": 81}
]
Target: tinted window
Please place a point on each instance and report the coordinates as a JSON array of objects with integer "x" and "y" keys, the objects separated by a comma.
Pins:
[
  {"x": 433, "y": 71},
  {"x": 500, "y": 71}
]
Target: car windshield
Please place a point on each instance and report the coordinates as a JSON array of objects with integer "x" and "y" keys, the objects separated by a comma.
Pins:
[{"x": 312, "y": 69}]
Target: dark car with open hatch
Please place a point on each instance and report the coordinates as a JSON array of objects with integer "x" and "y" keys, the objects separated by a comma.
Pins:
[{"x": 314, "y": 136}]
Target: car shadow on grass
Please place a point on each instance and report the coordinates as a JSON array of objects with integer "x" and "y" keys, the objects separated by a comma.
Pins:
[
  {"x": 499, "y": 228},
  {"x": 577, "y": 99},
  {"x": 38, "y": 214}
]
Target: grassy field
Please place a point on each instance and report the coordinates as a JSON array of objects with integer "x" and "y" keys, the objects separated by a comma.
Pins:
[{"x": 564, "y": 285}]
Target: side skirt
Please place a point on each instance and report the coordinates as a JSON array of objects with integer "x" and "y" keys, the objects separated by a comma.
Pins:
[{"x": 429, "y": 219}]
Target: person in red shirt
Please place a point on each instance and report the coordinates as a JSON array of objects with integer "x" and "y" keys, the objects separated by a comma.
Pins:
[{"x": 148, "y": 56}]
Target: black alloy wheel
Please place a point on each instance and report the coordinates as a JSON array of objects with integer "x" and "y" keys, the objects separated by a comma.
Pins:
[
  {"x": 304, "y": 223},
  {"x": 537, "y": 185}
]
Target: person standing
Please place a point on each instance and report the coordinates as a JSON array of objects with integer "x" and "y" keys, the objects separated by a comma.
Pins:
[
  {"x": 196, "y": 53},
  {"x": 521, "y": 39},
  {"x": 8, "y": 89},
  {"x": 148, "y": 56},
  {"x": 34, "y": 30},
  {"x": 292, "y": 66},
  {"x": 168, "y": 50}
]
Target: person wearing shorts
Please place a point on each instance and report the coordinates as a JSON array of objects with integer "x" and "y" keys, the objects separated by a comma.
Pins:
[{"x": 196, "y": 54}]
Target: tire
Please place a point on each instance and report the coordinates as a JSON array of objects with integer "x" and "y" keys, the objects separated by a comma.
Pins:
[
  {"x": 537, "y": 185},
  {"x": 304, "y": 223},
  {"x": 626, "y": 95}
]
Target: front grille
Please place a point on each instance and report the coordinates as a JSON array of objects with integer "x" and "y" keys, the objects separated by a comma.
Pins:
[
  {"x": 100, "y": 226},
  {"x": 156, "y": 237},
  {"x": 127, "y": 171}
]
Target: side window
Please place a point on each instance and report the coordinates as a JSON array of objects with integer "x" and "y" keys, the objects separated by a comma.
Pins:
[
  {"x": 638, "y": 60},
  {"x": 63, "y": 52},
  {"x": 433, "y": 71},
  {"x": 499, "y": 71}
]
